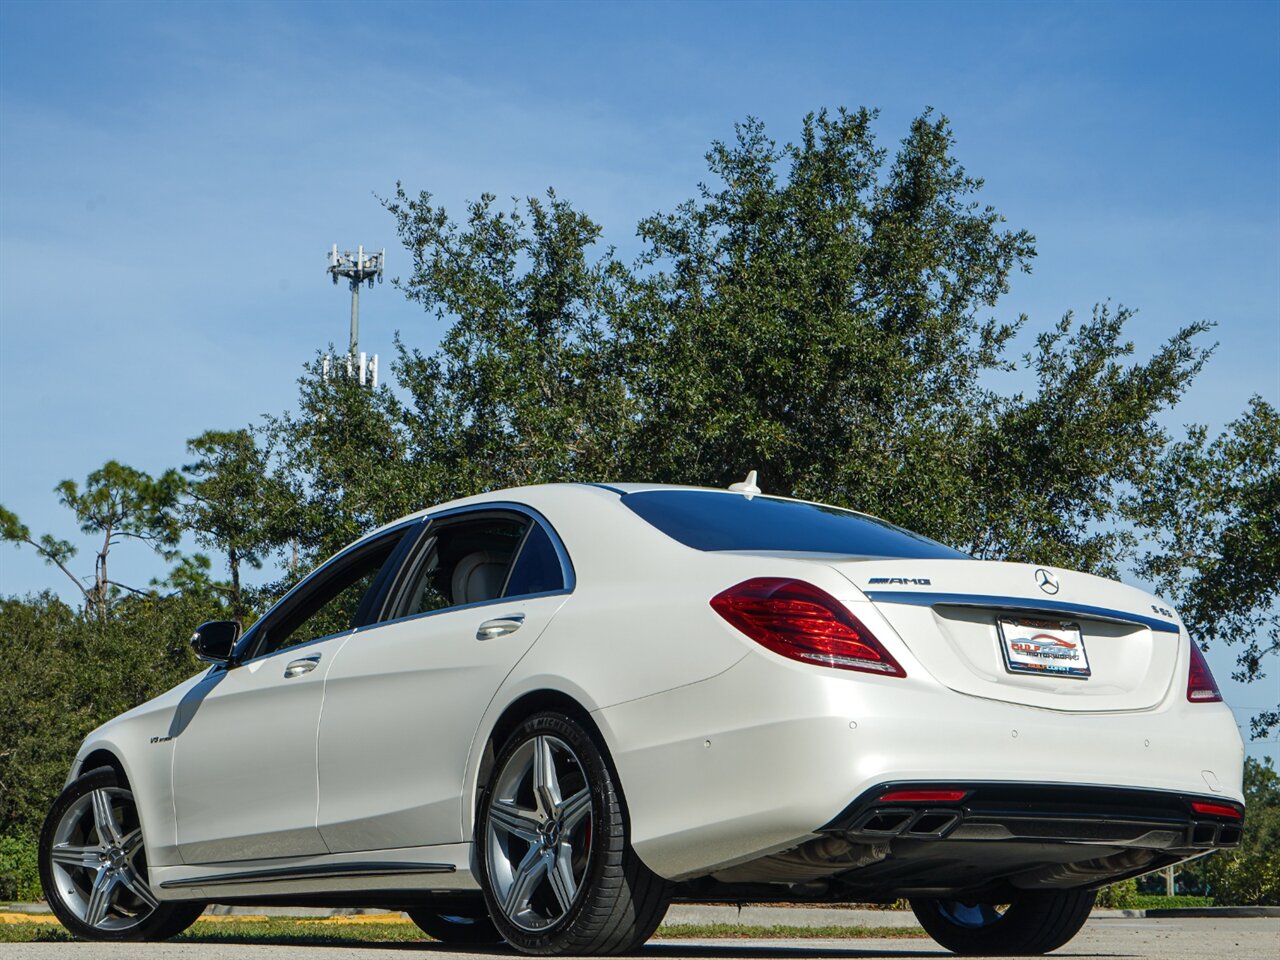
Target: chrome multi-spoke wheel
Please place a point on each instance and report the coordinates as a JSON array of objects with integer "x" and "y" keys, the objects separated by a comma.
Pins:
[
  {"x": 557, "y": 872},
  {"x": 99, "y": 865},
  {"x": 538, "y": 835},
  {"x": 93, "y": 865}
]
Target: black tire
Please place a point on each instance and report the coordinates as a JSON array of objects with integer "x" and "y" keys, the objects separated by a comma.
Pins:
[
  {"x": 456, "y": 922},
  {"x": 121, "y": 872},
  {"x": 1033, "y": 923},
  {"x": 617, "y": 901}
]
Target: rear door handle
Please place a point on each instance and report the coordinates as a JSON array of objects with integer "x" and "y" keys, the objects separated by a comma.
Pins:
[
  {"x": 500, "y": 626},
  {"x": 297, "y": 668}
]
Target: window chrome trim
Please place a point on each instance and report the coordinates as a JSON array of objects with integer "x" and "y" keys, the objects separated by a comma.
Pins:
[
  {"x": 297, "y": 646},
  {"x": 460, "y": 607}
]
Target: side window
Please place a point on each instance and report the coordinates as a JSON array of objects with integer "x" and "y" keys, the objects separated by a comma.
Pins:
[
  {"x": 464, "y": 560},
  {"x": 537, "y": 569},
  {"x": 329, "y": 605}
]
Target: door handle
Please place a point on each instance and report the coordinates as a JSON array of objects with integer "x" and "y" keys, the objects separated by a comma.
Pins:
[
  {"x": 297, "y": 668},
  {"x": 499, "y": 627}
]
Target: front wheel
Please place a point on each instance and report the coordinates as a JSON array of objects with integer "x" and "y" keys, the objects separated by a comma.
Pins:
[
  {"x": 93, "y": 865},
  {"x": 556, "y": 868},
  {"x": 1033, "y": 923}
]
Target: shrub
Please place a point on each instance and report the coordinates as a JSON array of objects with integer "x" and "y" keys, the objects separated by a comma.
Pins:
[
  {"x": 19, "y": 873},
  {"x": 1119, "y": 896},
  {"x": 64, "y": 674}
]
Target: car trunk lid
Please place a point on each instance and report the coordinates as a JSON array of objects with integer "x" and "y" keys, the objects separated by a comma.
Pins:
[{"x": 949, "y": 613}]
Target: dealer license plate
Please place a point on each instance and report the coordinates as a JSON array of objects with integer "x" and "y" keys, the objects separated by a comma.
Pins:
[{"x": 1045, "y": 647}]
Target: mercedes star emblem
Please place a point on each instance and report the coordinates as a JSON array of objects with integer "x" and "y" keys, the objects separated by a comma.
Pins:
[{"x": 1047, "y": 581}]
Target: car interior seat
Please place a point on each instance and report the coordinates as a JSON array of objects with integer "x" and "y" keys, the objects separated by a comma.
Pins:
[{"x": 479, "y": 576}]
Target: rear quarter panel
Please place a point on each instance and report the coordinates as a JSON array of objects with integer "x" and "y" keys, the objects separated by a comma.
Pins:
[{"x": 638, "y": 624}]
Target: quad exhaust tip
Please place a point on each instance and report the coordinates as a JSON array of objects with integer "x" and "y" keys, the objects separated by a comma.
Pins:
[{"x": 926, "y": 824}]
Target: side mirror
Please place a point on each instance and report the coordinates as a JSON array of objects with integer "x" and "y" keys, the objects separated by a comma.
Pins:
[{"x": 214, "y": 641}]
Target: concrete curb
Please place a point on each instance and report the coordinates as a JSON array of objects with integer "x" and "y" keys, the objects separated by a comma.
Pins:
[{"x": 1215, "y": 912}]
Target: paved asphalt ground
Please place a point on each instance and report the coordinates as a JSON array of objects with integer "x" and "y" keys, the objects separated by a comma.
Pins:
[{"x": 1102, "y": 938}]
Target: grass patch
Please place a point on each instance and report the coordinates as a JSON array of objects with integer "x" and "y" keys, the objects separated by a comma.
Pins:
[
  {"x": 302, "y": 931},
  {"x": 1151, "y": 901},
  {"x": 356, "y": 930}
]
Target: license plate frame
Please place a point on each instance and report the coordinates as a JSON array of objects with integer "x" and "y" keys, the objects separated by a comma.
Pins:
[{"x": 1043, "y": 648}]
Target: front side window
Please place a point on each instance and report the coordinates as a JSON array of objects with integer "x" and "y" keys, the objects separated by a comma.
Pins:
[
  {"x": 710, "y": 520},
  {"x": 329, "y": 604}
]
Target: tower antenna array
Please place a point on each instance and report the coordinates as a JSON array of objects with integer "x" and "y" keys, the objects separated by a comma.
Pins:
[{"x": 357, "y": 269}]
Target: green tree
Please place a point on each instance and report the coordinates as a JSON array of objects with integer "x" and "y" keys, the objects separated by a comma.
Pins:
[
  {"x": 54, "y": 552},
  {"x": 344, "y": 464},
  {"x": 232, "y": 504},
  {"x": 1211, "y": 510},
  {"x": 831, "y": 321},
  {"x": 1049, "y": 476},
  {"x": 523, "y": 388},
  {"x": 116, "y": 503},
  {"x": 820, "y": 318}
]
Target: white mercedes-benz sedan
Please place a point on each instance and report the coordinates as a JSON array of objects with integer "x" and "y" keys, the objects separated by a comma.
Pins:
[{"x": 542, "y": 714}]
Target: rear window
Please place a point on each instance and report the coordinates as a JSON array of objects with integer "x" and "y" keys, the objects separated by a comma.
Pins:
[{"x": 707, "y": 520}]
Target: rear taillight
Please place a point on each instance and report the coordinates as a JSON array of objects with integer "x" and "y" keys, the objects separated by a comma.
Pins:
[
  {"x": 799, "y": 621},
  {"x": 924, "y": 796},
  {"x": 1201, "y": 687},
  {"x": 1216, "y": 810}
]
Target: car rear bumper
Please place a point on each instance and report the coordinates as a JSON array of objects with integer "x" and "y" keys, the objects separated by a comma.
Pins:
[
  {"x": 1164, "y": 820},
  {"x": 987, "y": 841},
  {"x": 770, "y": 754}
]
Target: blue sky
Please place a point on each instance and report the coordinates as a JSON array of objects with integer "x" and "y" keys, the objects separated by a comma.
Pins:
[{"x": 171, "y": 176}]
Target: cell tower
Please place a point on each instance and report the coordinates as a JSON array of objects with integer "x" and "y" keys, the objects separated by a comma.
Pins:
[{"x": 357, "y": 269}]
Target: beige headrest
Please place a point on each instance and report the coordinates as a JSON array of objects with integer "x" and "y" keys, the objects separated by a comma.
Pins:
[{"x": 478, "y": 576}]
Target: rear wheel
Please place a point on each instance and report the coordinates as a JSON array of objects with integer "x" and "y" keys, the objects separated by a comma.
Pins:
[
  {"x": 93, "y": 865},
  {"x": 558, "y": 874},
  {"x": 1033, "y": 923},
  {"x": 456, "y": 922}
]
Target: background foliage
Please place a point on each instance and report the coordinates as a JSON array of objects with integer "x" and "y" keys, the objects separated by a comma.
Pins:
[{"x": 825, "y": 311}]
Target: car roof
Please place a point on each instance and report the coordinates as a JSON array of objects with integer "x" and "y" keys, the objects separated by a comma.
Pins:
[
  {"x": 516, "y": 493},
  {"x": 621, "y": 489}
]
